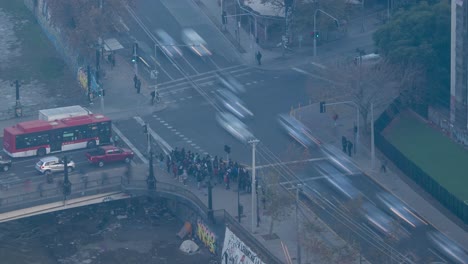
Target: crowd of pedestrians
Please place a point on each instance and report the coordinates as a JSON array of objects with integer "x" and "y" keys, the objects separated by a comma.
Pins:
[{"x": 187, "y": 165}]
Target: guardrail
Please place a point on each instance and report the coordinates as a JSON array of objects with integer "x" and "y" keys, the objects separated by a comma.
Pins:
[{"x": 49, "y": 193}]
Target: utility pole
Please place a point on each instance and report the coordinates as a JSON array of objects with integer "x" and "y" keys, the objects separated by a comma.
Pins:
[
  {"x": 372, "y": 137},
  {"x": 88, "y": 82},
  {"x": 18, "y": 107},
  {"x": 254, "y": 143},
  {"x": 315, "y": 26},
  {"x": 298, "y": 189},
  {"x": 66, "y": 181},
  {"x": 151, "y": 180}
]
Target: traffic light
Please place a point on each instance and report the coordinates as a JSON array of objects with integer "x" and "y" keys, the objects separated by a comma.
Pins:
[
  {"x": 227, "y": 149},
  {"x": 145, "y": 128},
  {"x": 322, "y": 107},
  {"x": 135, "y": 53},
  {"x": 224, "y": 17},
  {"x": 316, "y": 34}
]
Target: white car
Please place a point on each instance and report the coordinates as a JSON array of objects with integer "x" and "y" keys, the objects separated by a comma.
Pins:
[
  {"x": 399, "y": 209},
  {"x": 168, "y": 44},
  {"x": 339, "y": 181},
  {"x": 297, "y": 131},
  {"x": 231, "y": 83},
  {"x": 53, "y": 164},
  {"x": 234, "y": 104},
  {"x": 234, "y": 126},
  {"x": 448, "y": 247},
  {"x": 196, "y": 43}
]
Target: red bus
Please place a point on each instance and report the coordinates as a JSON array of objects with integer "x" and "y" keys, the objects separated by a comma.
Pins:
[{"x": 40, "y": 137}]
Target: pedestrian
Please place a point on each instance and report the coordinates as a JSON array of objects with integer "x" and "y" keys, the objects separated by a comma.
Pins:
[
  {"x": 226, "y": 180},
  {"x": 350, "y": 148},
  {"x": 135, "y": 81},
  {"x": 112, "y": 60},
  {"x": 138, "y": 86},
  {"x": 383, "y": 167},
  {"x": 259, "y": 58},
  {"x": 153, "y": 95},
  {"x": 344, "y": 143}
]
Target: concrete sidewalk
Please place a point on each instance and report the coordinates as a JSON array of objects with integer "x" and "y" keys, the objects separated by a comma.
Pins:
[
  {"x": 323, "y": 127},
  {"x": 273, "y": 58}
]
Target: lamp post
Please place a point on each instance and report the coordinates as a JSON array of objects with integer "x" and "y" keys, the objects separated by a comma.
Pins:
[
  {"x": 210, "y": 202},
  {"x": 254, "y": 143},
  {"x": 66, "y": 186},
  {"x": 238, "y": 201},
  {"x": 151, "y": 180},
  {"x": 315, "y": 27},
  {"x": 298, "y": 189}
]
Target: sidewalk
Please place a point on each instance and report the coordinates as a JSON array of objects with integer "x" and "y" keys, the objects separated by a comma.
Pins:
[
  {"x": 285, "y": 229},
  {"x": 393, "y": 180},
  {"x": 274, "y": 58}
]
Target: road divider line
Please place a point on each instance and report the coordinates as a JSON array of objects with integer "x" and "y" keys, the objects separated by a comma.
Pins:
[
  {"x": 313, "y": 75},
  {"x": 287, "y": 163},
  {"x": 161, "y": 142},
  {"x": 129, "y": 144}
]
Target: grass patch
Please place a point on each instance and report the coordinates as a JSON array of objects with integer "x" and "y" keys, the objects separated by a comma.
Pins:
[
  {"x": 38, "y": 60},
  {"x": 442, "y": 159}
]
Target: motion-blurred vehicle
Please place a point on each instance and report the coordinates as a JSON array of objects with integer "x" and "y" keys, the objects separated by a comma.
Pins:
[
  {"x": 233, "y": 104},
  {"x": 107, "y": 154},
  {"x": 448, "y": 247},
  {"x": 168, "y": 44},
  {"x": 340, "y": 159},
  {"x": 229, "y": 82},
  {"x": 338, "y": 180},
  {"x": 195, "y": 42},
  {"x": 53, "y": 164},
  {"x": 297, "y": 131},
  {"x": 400, "y": 210},
  {"x": 5, "y": 163},
  {"x": 382, "y": 222},
  {"x": 234, "y": 126}
]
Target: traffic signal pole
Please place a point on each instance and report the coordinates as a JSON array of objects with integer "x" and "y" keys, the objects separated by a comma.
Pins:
[{"x": 315, "y": 27}]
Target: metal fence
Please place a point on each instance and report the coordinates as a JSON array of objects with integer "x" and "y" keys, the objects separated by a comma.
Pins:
[{"x": 409, "y": 168}]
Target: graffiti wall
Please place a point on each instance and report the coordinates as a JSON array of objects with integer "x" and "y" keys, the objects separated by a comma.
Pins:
[
  {"x": 206, "y": 236},
  {"x": 236, "y": 252}
]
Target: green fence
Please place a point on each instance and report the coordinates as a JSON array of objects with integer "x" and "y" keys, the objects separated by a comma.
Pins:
[{"x": 409, "y": 168}]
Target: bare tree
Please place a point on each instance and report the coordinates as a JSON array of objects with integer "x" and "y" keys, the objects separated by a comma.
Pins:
[
  {"x": 278, "y": 202},
  {"x": 365, "y": 84},
  {"x": 84, "y": 21}
]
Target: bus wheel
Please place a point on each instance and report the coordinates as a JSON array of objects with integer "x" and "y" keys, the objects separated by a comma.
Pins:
[
  {"x": 91, "y": 144},
  {"x": 41, "y": 152}
]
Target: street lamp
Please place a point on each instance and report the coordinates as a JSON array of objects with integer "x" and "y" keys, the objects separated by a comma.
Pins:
[
  {"x": 151, "y": 180},
  {"x": 254, "y": 143},
  {"x": 66, "y": 186},
  {"x": 315, "y": 27},
  {"x": 298, "y": 189}
]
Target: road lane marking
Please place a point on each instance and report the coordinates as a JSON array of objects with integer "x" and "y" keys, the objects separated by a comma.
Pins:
[
  {"x": 161, "y": 142},
  {"x": 313, "y": 75},
  {"x": 287, "y": 163},
  {"x": 129, "y": 144}
]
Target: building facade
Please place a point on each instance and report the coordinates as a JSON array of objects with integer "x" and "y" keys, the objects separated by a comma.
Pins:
[{"x": 459, "y": 64}]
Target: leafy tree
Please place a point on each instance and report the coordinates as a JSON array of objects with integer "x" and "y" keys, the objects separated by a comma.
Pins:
[
  {"x": 420, "y": 37},
  {"x": 83, "y": 21}
]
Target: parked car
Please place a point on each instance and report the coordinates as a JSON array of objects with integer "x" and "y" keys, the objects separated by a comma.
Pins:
[
  {"x": 195, "y": 42},
  {"x": 107, "y": 154},
  {"x": 5, "y": 163},
  {"x": 53, "y": 164}
]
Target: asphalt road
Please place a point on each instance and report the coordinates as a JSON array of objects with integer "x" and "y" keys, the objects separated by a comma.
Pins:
[{"x": 190, "y": 123}]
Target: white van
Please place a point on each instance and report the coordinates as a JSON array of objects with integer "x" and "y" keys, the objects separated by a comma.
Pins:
[{"x": 371, "y": 58}]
